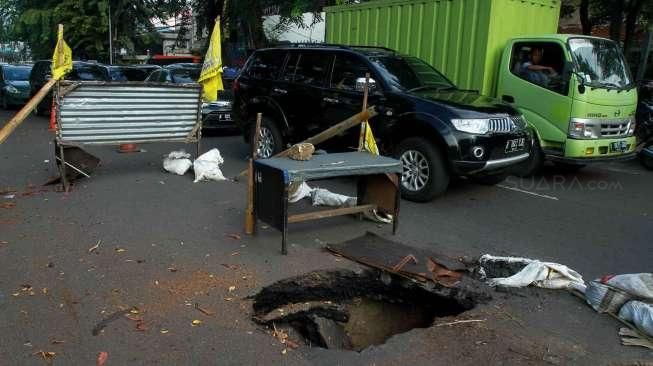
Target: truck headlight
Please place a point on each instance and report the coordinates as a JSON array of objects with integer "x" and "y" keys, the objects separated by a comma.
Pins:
[
  {"x": 12, "y": 89},
  {"x": 581, "y": 129},
  {"x": 478, "y": 126}
]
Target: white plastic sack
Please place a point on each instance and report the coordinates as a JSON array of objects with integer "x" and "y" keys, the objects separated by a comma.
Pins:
[
  {"x": 300, "y": 191},
  {"x": 640, "y": 314},
  {"x": 639, "y": 285},
  {"x": 207, "y": 166},
  {"x": 323, "y": 197},
  {"x": 536, "y": 273},
  {"x": 177, "y": 162}
]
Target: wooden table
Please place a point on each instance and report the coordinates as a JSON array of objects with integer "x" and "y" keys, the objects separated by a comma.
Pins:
[{"x": 378, "y": 186}]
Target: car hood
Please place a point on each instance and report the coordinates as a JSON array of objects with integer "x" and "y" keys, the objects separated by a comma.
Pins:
[
  {"x": 467, "y": 103},
  {"x": 20, "y": 85}
]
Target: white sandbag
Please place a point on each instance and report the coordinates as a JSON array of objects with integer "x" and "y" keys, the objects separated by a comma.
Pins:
[
  {"x": 299, "y": 191},
  {"x": 639, "y": 314},
  {"x": 638, "y": 285},
  {"x": 323, "y": 197},
  {"x": 177, "y": 162},
  {"x": 610, "y": 293},
  {"x": 536, "y": 273},
  {"x": 207, "y": 166}
]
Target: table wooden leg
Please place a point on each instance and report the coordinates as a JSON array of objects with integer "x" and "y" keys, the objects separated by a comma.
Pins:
[{"x": 284, "y": 224}]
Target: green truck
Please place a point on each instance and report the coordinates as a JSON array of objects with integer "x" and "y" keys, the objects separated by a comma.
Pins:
[{"x": 575, "y": 91}]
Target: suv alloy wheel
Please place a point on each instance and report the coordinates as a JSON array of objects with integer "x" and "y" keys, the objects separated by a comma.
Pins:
[
  {"x": 270, "y": 140},
  {"x": 424, "y": 175}
]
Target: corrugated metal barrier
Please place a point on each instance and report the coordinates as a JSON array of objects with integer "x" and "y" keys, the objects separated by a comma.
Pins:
[{"x": 116, "y": 113}]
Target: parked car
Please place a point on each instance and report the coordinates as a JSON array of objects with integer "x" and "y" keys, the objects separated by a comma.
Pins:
[
  {"x": 183, "y": 73},
  {"x": 131, "y": 72},
  {"x": 644, "y": 129},
  {"x": 14, "y": 85},
  {"x": 218, "y": 115},
  {"x": 41, "y": 73},
  {"x": 435, "y": 129},
  {"x": 215, "y": 115}
]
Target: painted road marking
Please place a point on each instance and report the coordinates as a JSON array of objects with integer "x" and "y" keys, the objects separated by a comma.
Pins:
[{"x": 528, "y": 192}]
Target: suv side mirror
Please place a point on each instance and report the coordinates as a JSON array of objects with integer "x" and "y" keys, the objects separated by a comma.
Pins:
[{"x": 360, "y": 85}]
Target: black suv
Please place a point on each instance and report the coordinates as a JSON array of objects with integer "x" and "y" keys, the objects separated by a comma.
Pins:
[
  {"x": 435, "y": 129},
  {"x": 41, "y": 73}
]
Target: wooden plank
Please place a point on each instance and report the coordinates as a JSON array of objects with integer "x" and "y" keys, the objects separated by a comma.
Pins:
[
  {"x": 25, "y": 111},
  {"x": 250, "y": 220},
  {"x": 329, "y": 213}
]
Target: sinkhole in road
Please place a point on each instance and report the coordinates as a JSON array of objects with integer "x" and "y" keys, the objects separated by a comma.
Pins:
[{"x": 352, "y": 310}]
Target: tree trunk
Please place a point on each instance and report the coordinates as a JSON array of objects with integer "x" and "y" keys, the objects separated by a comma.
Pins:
[
  {"x": 616, "y": 20},
  {"x": 585, "y": 21},
  {"x": 632, "y": 13}
]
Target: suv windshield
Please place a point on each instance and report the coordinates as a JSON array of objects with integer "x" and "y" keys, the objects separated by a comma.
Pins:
[
  {"x": 185, "y": 76},
  {"x": 16, "y": 73},
  {"x": 410, "y": 73},
  {"x": 600, "y": 63}
]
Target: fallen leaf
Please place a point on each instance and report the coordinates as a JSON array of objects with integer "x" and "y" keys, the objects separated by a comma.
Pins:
[
  {"x": 134, "y": 317},
  {"x": 204, "y": 311},
  {"x": 101, "y": 358},
  {"x": 291, "y": 344},
  {"x": 228, "y": 299},
  {"x": 231, "y": 266},
  {"x": 140, "y": 326},
  {"x": 8, "y": 205},
  {"x": 284, "y": 351},
  {"x": 15, "y": 294},
  {"x": 232, "y": 288},
  {"x": 235, "y": 253},
  {"x": 56, "y": 341},
  {"x": 120, "y": 250},
  {"x": 134, "y": 311},
  {"x": 164, "y": 331},
  {"x": 196, "y": 322},
  {"x": 45, "y": 291},
  {"x": 95, "y": 247},
  {"x": 47, "y": 355},
  {"x": 234, "y": 236},
  {"x": 27, "y": 344},
  {"x": 172, "y": 269}
]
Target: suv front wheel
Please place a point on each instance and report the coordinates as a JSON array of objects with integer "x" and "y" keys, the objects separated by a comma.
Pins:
[
  {"x": 424, "y": 174},
  {"x": 270, "y": 139}
]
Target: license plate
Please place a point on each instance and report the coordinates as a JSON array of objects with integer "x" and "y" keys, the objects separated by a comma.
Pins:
[
  {"x": 224, "y": 116},
  {"x": 515, "y": 145},
  {"x": 619, "y": 146}
]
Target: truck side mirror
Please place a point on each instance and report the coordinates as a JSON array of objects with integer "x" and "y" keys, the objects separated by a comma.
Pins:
[{"x": 360, "y": 85}]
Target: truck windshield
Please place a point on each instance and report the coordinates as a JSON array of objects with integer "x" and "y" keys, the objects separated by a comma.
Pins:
[
  {"x": 600, "y": 63},
  {"x": 410, "y": 73}
]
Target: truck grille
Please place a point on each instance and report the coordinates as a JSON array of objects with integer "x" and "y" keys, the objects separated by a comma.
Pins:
[
  {"x": 503, "y": 124},
  {"x": 616, "y": 128}
]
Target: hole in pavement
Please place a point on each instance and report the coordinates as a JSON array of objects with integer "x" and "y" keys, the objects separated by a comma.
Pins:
[{"x": 353, "y": 310}]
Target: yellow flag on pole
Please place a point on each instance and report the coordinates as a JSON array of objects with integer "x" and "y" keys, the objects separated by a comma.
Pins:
[
  {"x": 369, "y": 143},
  {"x": 62, "y": 60},
  {"x": 211, "y": 75}
]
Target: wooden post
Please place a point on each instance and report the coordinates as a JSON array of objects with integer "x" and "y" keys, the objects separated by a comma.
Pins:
[
  {"x": 250, "y": 219},
  {"x": 361, "y": 140},
  {"x": 25, "y": 111}
]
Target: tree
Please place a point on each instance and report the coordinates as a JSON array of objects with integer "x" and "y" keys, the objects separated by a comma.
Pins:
[{"x": 86, "y": 23}]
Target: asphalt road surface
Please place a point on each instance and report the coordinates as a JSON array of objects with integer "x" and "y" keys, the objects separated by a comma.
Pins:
[{"x": 164, "y": 244}]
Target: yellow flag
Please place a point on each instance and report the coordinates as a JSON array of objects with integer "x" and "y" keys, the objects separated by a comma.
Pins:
[
  {"x": 370, "y": 143},
  {"x": 211, "y": 75},
  {"x": 62, "y": 60}
]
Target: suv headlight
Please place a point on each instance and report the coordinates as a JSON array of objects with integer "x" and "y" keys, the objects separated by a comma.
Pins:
[
  {"x": 12, "y": 89},
  {"x": 583, "y": 129},
  {"x": 478, "y": 126}
]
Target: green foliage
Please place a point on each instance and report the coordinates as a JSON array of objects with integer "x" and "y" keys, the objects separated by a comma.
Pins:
[{"x": 86, "y": 23}]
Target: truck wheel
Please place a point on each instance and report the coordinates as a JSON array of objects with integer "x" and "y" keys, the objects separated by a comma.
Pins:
[
  {"x": 270, "y": 140},
  {"x": 490, "y": 180},
  {"x": 533, "y": 164},
  {"x": 425, "y": 174}
]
